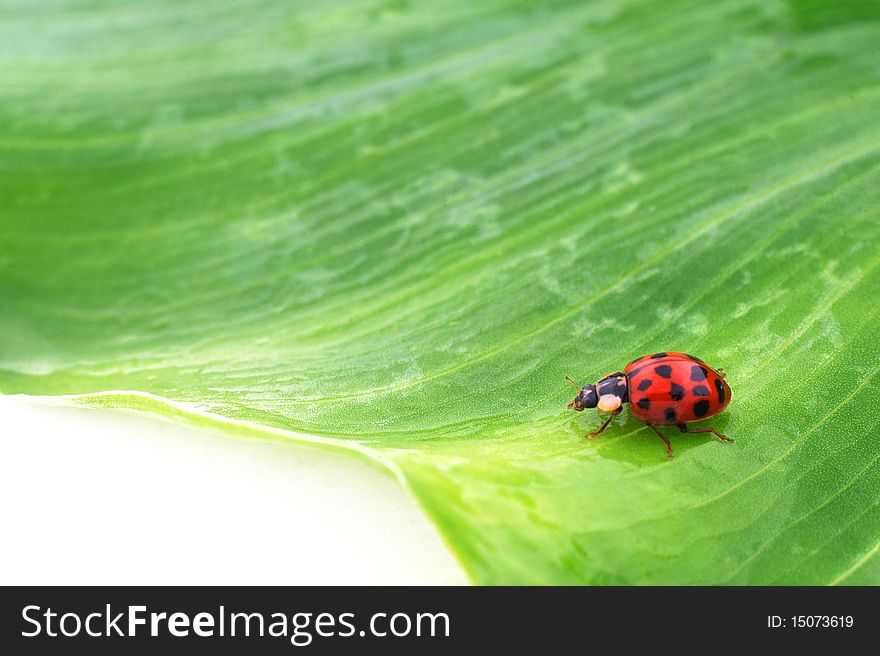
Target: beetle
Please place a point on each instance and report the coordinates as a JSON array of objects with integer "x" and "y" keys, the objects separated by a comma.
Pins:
[{"x": 662, "y": 389}]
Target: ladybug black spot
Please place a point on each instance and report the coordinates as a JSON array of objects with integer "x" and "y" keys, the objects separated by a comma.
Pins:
[
  {"x": 644, "y": 404},
  {"x": 698, "y": 373},
  {"x": 700, "y": 390},
  {"x": 657, "y": 356},
  {"x": 646, "y": 383},
  {"x": 676, "y": 391},
  {"x": 669, "y": 413},
  {"x": 701, "y": 408},
  {"x": 693, "y": 357},
  {"x": 664, "y": 371},
  {"x": 635, "y": 372},
  {"x": 719, "y": 387}
]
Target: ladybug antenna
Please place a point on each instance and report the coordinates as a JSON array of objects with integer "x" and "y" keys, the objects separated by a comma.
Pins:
[{"x": 576, "y": 386}]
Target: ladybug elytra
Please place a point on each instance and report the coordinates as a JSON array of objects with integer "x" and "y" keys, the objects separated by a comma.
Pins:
[{"x": 662, "y": 389}]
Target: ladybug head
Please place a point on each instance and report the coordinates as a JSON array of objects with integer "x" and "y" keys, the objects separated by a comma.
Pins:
[{"x": 586, "y": 398}]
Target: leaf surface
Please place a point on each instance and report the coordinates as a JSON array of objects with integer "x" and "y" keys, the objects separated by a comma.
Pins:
[{"x": 398, "y": 225}]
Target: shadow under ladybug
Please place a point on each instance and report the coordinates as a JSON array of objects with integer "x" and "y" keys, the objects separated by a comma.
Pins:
[{"x": 663, "y": 389}]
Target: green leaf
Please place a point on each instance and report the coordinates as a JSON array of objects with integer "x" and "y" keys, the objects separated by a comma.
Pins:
[{"x": 397, "y": 225}]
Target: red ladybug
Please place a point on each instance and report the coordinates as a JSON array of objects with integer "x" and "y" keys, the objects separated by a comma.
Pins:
[{"x": 662, "y": 389}]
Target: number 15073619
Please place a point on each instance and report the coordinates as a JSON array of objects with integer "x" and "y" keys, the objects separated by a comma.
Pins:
[{"x": 810, "y": 622}]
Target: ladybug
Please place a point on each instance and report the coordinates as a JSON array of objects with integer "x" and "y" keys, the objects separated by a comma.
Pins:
[{"x": 662, "y": 389}]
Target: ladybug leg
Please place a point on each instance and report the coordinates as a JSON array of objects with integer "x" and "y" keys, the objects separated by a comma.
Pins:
[
  {"x": 662, "y": 437},
  {"x": 684, "y": 429},
  {"x": 594, "y": 435},
  {"x": 721, "y": 371}
]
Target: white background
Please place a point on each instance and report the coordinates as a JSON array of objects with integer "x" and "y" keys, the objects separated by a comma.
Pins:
[{"x": 99, "y": 497}]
